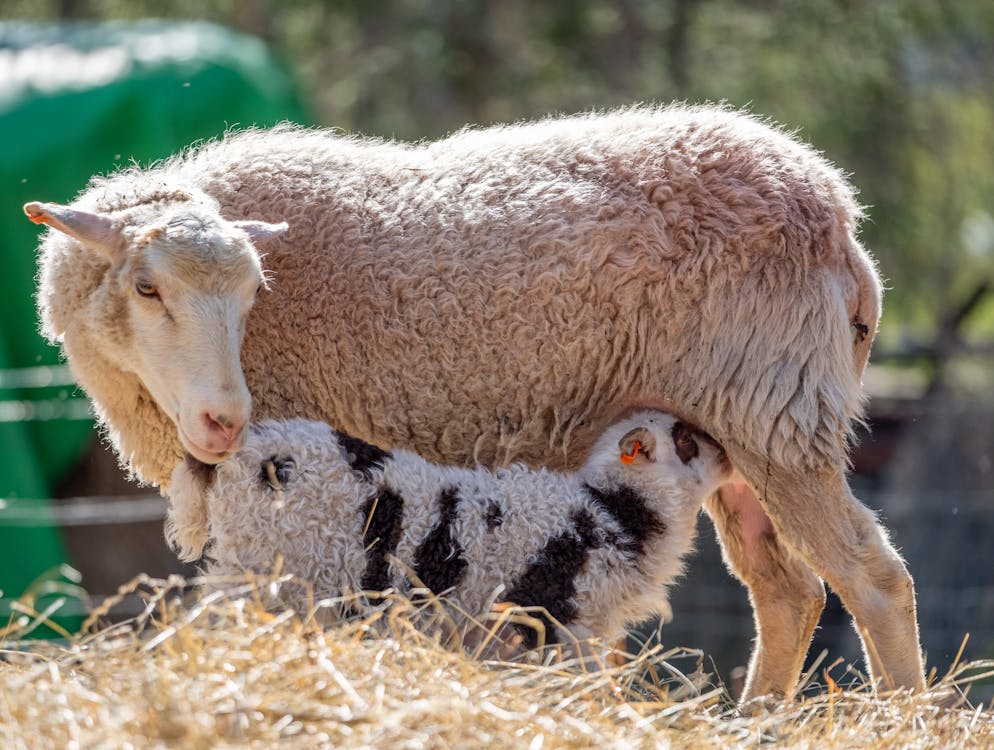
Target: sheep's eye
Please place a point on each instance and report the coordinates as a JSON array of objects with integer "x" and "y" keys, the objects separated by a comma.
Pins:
[
  {"x": 146, "y": 289},
  {"x": 683, "y": 441}
]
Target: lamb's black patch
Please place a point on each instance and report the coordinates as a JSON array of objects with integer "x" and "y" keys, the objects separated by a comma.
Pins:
[
  {"x": 384, "y": 517},
  {"x": 632, "y": 513},
  {"x": 276, "y": 471},
  {"x": 494, "y": 516},
  {"x": 362, "y": 456},
  {"x": 549, "y": 581},
  {"x": 203, "y": 473},
  {"x": 438, "y": 561}
]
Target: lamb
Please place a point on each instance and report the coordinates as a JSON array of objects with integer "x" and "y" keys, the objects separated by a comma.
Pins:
[
  {"x": 498, "y": 296},
  {"x": 596, "y": 549}
]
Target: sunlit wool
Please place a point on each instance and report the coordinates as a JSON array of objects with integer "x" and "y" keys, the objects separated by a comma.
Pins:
[{"x": 496, "y": 295}]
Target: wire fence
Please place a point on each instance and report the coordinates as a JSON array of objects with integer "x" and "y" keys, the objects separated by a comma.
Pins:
[
  {"x": 66, "y": 405},
  {"x": 116, "y": 510}
]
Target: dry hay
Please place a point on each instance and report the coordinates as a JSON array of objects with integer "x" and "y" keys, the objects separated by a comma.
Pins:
[{"x": 225, "y": 671}]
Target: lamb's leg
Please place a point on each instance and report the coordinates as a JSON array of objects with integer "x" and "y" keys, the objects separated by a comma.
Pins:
[
  {"x": 187, "y": 525},
  {"x": 787, "y": 597},
  {"x": 815, "y": 514}
]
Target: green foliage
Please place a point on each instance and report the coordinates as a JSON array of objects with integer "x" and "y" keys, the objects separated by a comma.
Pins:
[{"x": 898, "y": 93}]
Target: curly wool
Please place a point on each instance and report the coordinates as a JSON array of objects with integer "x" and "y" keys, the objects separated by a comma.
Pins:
[
  {"x": 597, "y": 549},
  {"x": 496, "y": 295}
]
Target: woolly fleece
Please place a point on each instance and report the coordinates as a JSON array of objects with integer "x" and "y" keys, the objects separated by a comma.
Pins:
[
  {"x": 497, "y": 295},
  {"x": 485, "y": 536}
]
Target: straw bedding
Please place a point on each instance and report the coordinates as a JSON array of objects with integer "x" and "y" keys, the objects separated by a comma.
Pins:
[{"x": 226, "y": 671}]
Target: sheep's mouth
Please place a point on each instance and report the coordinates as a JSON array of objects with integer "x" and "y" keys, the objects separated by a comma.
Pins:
[
  {"x": 209, "y": 457},
  {"x": 203, "y": 454}
]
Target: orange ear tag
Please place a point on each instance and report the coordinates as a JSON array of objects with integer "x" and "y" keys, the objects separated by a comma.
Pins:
[
  {"x": 627, "y": 458},
  {"x": 39, "y": 219}
]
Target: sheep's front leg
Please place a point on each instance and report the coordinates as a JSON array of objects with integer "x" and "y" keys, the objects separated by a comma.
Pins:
[{"x": 787, "y": 597}]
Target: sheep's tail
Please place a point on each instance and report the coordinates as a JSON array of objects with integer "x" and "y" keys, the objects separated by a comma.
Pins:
[{"x": 866, "y": 316}]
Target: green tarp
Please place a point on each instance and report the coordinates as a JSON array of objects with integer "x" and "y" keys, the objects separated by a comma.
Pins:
[{"x": 77, "y": 100}]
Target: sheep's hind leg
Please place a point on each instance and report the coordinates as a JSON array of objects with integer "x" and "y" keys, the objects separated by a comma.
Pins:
[
  {"x": 787, "y": 597},
  {"x": 816, "y": 514}
]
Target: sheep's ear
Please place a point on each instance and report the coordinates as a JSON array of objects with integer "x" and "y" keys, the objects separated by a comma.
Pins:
[
  {"x": 638, "y": 445},
  {"x": 260, "y": 231},
  {"x": 96, "y": 231}
]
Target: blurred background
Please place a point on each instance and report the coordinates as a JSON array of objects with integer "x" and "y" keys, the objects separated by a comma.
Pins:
[{"x": 899, "y": 94}]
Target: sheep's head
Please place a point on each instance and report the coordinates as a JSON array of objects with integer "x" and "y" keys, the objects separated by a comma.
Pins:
[{"x": 172, "y": 307}]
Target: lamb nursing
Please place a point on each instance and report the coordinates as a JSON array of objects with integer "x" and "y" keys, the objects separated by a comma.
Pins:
[
  {"x": 496, "y": 296},
  {"x": 597, "y": 549}
]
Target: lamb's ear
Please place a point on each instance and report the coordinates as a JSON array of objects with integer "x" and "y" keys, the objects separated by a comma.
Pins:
[
  {"x": 260, "y": 231},
  {"x": 638, "y": 445},
  {"x": 96, "y": 231}
]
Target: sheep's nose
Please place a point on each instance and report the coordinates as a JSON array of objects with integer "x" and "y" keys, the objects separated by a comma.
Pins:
[{"x": 223, "y": 427}]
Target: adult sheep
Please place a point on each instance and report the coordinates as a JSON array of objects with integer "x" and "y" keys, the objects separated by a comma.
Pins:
[{"x": 496, "y": 296}]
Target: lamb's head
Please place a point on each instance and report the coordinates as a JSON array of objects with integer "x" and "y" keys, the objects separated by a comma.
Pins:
[
  {"x": 296, "y": 460},
  {"x": 657, "y": 450},
  {"x": 171, "y": 308}
]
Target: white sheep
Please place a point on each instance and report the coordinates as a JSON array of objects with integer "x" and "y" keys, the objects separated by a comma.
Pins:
[
  {"x": 500, "y": 294},
  {"x": 597, "y": 549}
]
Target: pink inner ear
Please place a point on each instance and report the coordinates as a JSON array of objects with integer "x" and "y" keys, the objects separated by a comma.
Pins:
[{"x": 95, "y": 230}]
